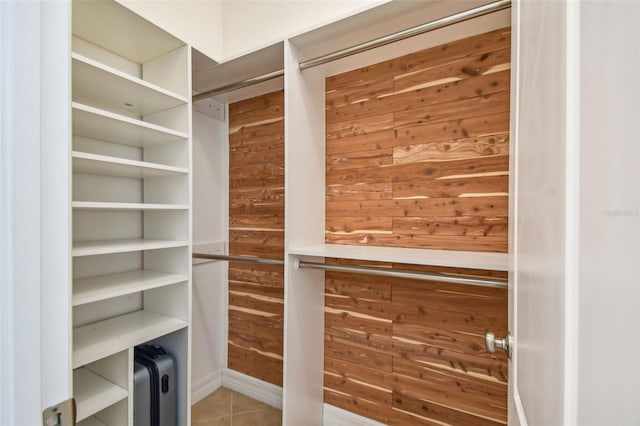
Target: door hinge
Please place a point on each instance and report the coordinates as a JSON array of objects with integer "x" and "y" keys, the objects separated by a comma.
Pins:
[{"x": 62, "y": 414}]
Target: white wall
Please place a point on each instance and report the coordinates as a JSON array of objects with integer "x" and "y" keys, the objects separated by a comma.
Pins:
[
  {"x": 249, "y": 24},
  {"x": 196, "y": 22},
  {"x": 209, "y": 278},
  {"x": 609, "y": 292}
]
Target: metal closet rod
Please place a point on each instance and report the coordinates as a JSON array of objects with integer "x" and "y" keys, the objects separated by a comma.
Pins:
[
  {"x": 243, "y": 259},
  {"x": 410, "y": 32},
  {"x": 402, "y": 273},
  {"x": 238, "y": 85}
]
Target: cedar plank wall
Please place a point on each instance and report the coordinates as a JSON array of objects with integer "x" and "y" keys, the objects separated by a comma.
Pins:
[
  {"x": 417, "y": 156},
  {"x": 256, "y": 228}
]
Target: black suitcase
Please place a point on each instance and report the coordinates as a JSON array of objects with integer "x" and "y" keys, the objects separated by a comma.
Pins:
[{"x": 155, "y": 400}]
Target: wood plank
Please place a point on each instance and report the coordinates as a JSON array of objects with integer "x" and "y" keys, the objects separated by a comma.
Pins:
[
  {"x": 417, "y": 172},
  {"x": 239, "y": 287},
  {"x": 487, "y": 104},
  {"x": 456, "y": 187},
  {"x": 264, "y": 182},
  {"x": 481, "y": 396},
  {"x": 496, "y": 226},
  {"x": 364, "y": 357},
  {"x": 356, "y": 160},
  {"x": 442, "y": 93},
  {"x": 357, "y": 405},
  {"x": 244, "y": 157},
  {"x": 266, "y": 238},
  {"x": 437, "y": 412},
  {"x": 362, "y": 142},
  {"x": 455, "y": 129},
  {"x": 361, "y": 127},
  {"x": 419, "y": 296},
  {"x": 252, "y": 221},
  {"x": 481, "y": 63},
  {"x": 256, "y": 196},
  {"x": 256, "y": 303},
  {"x": 255, "y": 250},
  {"x": 346, "y": 225},
  {"x": 350, "y": 320},
  {"x": 269, "y": 275},
  {"x": 248, "y": 112},
  {"x": 379, "y": 191},
  {"x": 434, "y": 242},
  {"x": 273, "y": 320},
  {"x": 255, "y": 364},
  {"x": 354, "y": 384},
  {"x": 422, "y": 207},
  {"x": 251, "y": 336}
]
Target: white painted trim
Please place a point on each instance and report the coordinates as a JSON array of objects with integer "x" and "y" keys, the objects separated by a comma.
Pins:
[
  {"x": 257, "y": 389},
  {"x": 520, "y": 415},
  {"x": 206, "y": 385},
  {"x": 334, "y": 416},
  {"x": 572, "y": 213}
]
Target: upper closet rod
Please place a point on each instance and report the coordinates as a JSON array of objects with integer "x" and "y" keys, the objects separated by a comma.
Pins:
[
  {"x": 238, "y": 85},
  {"x": 401, "y": 35},
  {"x": 244, "y": 259},
  {"x": 402, "y": 273}
]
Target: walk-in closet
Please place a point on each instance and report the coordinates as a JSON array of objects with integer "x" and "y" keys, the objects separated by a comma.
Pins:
[{"x": 319, "y": 213}]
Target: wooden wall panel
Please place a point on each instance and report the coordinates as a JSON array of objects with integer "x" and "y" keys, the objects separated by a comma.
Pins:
[
  {"x": 427, "y": 138},
  {"x": 256, "y": 228},
  {"x": 414, "y": 348},
  {"x": 418, "y": 156}
]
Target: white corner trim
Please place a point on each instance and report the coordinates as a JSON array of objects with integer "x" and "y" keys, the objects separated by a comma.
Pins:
[
  {"x": 334, "y": 416},
  {"x": 257, "y": 389},
  {"x": 205, "y": 386}
]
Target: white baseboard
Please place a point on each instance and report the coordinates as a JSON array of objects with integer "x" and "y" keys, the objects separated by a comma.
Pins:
[
  {"x": 257, "y": 389},
  {"x": 205, "y": 386},
  {"x": 334, "y": 416}
]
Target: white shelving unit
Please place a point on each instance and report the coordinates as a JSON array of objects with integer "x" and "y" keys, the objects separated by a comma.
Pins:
[{"x": 131, "y": 206}]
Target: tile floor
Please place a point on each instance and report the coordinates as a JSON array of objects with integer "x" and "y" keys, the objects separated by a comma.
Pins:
[{"x": 225, "y": 407}]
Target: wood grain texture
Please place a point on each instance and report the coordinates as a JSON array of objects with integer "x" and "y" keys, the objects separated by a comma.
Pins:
[
  {"x": 256, "y": 228},
  {"x": 424, "y": 136},
  {"x": 414, "y": 348},
  {"x": 417, "y": 155}
]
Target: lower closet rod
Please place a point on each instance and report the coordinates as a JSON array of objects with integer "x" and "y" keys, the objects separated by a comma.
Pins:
[
  {"x": 244, "y": 259},
  {"x": 403, "y": 273}
]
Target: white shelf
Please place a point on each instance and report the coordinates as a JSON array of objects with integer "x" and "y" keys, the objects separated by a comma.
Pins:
[
  {"x": 98, "y": 205},
  {"x": 103, "y": 165},
  {"x": 91, "y": 421},
  {"x": 93, "y": 289},
  {"x": 104, "y": 125},
  {"x": 104, "y": 338},
  {"x": 91, "y": 248},
  {"x": 94, "y": 393},
  {"x": 448, "y": 258},
  {"x": 115, "y": 28},
  {"x": 96, "y": 82}
]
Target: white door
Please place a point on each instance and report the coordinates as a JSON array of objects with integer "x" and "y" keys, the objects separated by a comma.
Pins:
[
  {"x": 35, "y": 367},
  {"x": 575, "y": 245},
  {"x": 543, "y": 235}
]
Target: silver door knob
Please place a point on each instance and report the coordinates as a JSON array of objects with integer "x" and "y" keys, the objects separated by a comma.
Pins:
[{"x": 492, "y": 343}]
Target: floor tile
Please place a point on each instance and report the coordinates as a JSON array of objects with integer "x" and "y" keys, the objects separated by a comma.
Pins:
[{"x": 216, "y": 405}]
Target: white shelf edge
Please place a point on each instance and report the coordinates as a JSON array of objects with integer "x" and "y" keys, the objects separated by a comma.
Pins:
[
  {"x": 126, "y": 162},
  {"x": 128, "y": 120},
  {"x": 93, "y": 289},
  {"x": 91, "y": 248},
  {"x": 447, "y": 258},
  {"x": 94, "y": 393},
  {"x": 104, "y": 338},
  {"x": 99, "y": 205},
  {"x": 99, "y": 65}
]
